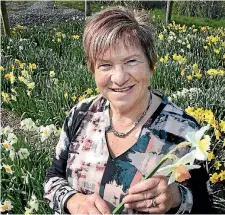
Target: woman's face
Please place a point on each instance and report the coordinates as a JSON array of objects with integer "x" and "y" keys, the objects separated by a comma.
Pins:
[{"x": 122, "y": 76}]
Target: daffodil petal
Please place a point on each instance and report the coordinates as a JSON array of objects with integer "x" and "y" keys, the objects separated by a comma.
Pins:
[
  {"x": 188, "y": 158},
  {"x": 172, "y": 179},
  {"x": 166, "y": 170},
  {"x": 200, "y": 155},
  {"x": 190, "y": 136},
  {"x": 199, "y": 134},
  {"x": 189, "y": 167}
]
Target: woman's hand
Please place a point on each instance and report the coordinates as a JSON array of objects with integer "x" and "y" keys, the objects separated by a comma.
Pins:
[
  {"x": 87, "y": 204},
  {"x": 153, "y": 195}
]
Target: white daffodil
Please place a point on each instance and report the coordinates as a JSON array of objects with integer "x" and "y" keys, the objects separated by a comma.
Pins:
[
  {"x": 47, "y": 131},
  {"x": 6, "y": 145},
  {"x": 7, "y": 168},
  {"x": 202, "y": 146},
  {"x": 7, "y": 130},
  {"x": 28, "y": 210},
  {"x": 12, "y": 154},
  {"x": 6, "y": 206},
  {"x": 1, "y": 131},
  {"x": 12, "y": 138},
  {"x": 23, "y": 153},
  {"x": 28, "y": 125},
  {"x": 179, "y": 170},
  {"x": 33, "y": 203}
]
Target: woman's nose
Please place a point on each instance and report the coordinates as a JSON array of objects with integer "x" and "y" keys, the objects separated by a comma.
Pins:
[{"x": 120, "y": 76}]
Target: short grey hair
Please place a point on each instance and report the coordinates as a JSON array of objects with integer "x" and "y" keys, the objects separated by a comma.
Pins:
[{"x": 106, "y": 28}]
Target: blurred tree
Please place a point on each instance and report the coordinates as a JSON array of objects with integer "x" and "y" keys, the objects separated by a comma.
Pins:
[{"x": 5, "y": 18}]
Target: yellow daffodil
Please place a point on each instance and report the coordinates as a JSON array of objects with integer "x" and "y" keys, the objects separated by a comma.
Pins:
[
  {"x": 58, "y": 132},
  {"x": 20, "y": 27},
  {"x": 31, "y": 85},
  {"x": 161, "y": 37},
  {"x": 195, "y": 67},
  {"x": 52, "y": 74},
  {"x": 205, "y": 47},
  {"x": 203, "y": 28},
  {"x": 222, "y": 125},
  {"x": 224, "y": 56},
  {"x": 161, "y": 59},
  {"x": 182, "y": 72},
  {"x": 7, "y": 168},
  {"x": 217, "y": 134},
  {"x": 7, "y": 76},
  {"x": 5, "y": 97},
  {"x": 59, "y": 40},
  {"x": 211, "y": 156},
  {"x": 22, "y": 79},
  {"x": 214, "y": 178},
  {"x": 66, "y": 95},
  {"x": 24, "y": 73},
  {"x": 222, "y": 175},
  {"x": 6, "y": 206},
  {"x": 202, "y": 146},
  {"x": 1, "y": 68},
  {"x": 217, "y": 165},
  {"x": 17, "y": 61},
  {"x": 97, "y": 90},
  {"x": 217, "y": 51},
  {"x": 189, "y": 77},
  {"x": 76, "y": 36},
  {"x": 22, "y": 65},
  {"x": 179, "y": 170},
  {"x": 12, "y": 78},
  {"x": 198, "y": 75},
  {"x": 89, "y": 91},
  {"x": 73, "y": 98},
  {"x": 81, "y": 98}
]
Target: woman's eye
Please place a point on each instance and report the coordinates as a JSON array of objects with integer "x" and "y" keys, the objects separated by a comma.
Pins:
[
  {"x": 104, "y": 66},
  {"x": 132, "y": 62}
]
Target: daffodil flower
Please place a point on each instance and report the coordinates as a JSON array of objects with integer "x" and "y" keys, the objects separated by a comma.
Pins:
[
  {"x": 180, "y": 170},
  {"x": 202, "y": 146},
  {"x": 6, "y": 206}
]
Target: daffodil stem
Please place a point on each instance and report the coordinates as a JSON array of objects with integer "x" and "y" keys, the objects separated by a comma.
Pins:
[{"x": 120, "y": 207}]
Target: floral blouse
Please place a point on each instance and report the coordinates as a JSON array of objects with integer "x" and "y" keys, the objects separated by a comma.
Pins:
[{"x": 83, "y": 163}]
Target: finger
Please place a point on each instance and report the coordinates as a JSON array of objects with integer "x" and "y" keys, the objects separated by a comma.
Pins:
[
  {"x": 102, "y": 206},
  {"x": 148, "y": 203},
  {"x": 141, "y": 196},
  {"x": 140, "y": 204},
  {"x": 145, "y": 185},
  {"x": 93, "y": 210},
  {"x": 152, "y": 210}
]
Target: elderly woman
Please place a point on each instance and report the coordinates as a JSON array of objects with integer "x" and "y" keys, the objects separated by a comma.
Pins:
[{"x": 109, "y": 142}]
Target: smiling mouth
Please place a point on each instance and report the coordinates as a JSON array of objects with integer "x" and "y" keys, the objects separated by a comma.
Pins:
[{"x": 122, "y": 89}]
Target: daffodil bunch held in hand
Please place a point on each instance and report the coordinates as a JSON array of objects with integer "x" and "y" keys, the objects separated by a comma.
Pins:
[{"x": 179, "y": 169}]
